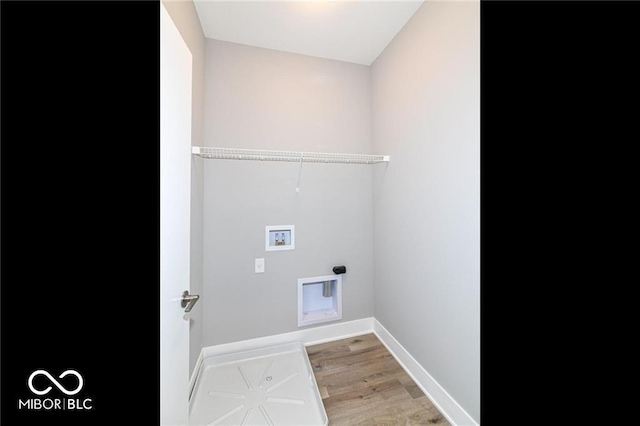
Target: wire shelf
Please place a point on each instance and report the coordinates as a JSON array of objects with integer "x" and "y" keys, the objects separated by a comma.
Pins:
[{"x": 291, "y": 156}]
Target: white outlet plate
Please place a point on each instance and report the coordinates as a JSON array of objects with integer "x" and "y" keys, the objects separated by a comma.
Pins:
[{"x": 259, "y": 269}]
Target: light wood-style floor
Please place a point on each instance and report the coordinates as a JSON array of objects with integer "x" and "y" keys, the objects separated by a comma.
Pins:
[{"x": 362, "y": 384}]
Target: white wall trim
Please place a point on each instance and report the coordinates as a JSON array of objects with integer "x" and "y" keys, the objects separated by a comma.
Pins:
[
  {"x": 308, "y": 336},
  {"x": 448, "y": 406}
]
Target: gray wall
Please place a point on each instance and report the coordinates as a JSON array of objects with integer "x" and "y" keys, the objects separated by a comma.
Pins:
[
  {"x": 184, "y": 16},
  {"x": 264, "y": 99},
  {"x": 426, "y": 115}
]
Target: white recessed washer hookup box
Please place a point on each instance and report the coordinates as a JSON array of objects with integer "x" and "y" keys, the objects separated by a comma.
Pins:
[
  {"x": 319, "y": 299},
  {"x": 280, "y": 237}
]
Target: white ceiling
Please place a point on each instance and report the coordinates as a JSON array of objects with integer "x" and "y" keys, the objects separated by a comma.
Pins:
[{"x": 351, "y": 31}]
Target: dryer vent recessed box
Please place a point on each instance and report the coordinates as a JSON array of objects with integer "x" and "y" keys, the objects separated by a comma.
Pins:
[{"x": 319, "y": 299}]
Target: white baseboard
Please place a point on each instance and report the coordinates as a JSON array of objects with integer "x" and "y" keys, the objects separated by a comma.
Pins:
[
  {"x": 448, "y": 406},
  {"x": 308, "y": 336}
]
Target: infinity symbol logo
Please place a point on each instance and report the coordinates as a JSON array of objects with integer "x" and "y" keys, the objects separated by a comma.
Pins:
[{"x": 55, "y": 382}]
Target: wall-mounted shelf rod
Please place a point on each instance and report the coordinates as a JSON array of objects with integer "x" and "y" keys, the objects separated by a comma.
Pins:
[{"x": 293, "y": 156}]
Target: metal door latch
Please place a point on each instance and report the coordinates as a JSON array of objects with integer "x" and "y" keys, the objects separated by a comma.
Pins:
[{"x": 188, "y": 300}]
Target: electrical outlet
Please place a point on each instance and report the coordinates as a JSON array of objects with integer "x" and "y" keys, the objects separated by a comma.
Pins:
[{"x": 259, "y": 266}]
